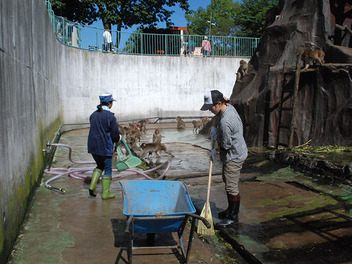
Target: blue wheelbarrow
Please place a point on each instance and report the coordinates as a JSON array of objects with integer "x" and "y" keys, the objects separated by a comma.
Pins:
[{"x": 154, "y": 206}]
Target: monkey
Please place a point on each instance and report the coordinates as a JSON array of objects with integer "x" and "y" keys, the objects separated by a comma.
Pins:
[
  {"x": 180, "y": 123},
  {"x": 133, "y": 136},
  {"x": 311, "y": 56},
  {"x": 197, "y": 125},
  {"x": 157, "y": 136},
  {"x": 121, "y": 130},
  {"x": 142, "y": 124},
  {"x": 132, "y": 126},
  {"x": 154, "y": 147},
  {"x": 205, "y": 120},
  {"x": 125, "y": 130},
  {"x": 242, "y": 70}
]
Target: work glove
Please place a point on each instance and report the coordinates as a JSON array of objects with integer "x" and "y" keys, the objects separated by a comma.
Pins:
[
  {"x": 213, "y": 153},
  {"x": 213, "y": 134}
]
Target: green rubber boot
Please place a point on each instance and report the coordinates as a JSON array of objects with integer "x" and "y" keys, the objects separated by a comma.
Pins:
[
  {"x": 93, "y": 183},
  {"x": 106, "y": 187}
]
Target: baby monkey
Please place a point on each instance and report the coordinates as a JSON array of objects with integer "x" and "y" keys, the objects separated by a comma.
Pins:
[
  {"x": 180, "y": 123},
  {"x": 156, "y": 136},
  {"x": 154, "y": 147}
]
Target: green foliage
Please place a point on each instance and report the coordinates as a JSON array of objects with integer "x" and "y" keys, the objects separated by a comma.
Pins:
[
  {"x": 82, "y": 11},
  {"x": 122, "y": 13},
  {"x": 338, "y": 154},
  {"x": 251, "y": 17},
  {"x": 220, "y": 12},
  {"x": 231, "y": 18},
  {"x": 319, "y": 149}
]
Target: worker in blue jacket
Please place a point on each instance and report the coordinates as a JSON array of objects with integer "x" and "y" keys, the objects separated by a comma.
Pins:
[{"x": 103, "y": 133}]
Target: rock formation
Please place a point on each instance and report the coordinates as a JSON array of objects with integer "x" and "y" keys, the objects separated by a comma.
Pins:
[{"x": 321, "y": 110}]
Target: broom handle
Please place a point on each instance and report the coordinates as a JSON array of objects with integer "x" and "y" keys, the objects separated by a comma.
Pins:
[{"x": 209, "y": 181}]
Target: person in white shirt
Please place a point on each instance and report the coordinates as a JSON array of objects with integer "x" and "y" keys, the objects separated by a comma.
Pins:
[{"x": 107, "y": 40}]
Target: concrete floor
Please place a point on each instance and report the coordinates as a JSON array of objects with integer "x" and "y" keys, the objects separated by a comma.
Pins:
[{"x": 285, "y": 216}]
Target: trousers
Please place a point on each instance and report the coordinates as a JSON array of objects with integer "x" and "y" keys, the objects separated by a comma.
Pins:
[{"x": 231, "y": 175}]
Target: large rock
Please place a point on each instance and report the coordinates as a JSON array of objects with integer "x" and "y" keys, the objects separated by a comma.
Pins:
[{"x": 323, "y": 112}]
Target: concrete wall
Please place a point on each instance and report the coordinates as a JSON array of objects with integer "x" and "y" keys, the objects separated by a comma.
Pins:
[
  {"x": 45, "y": 84},
  {"x": 29, "y": 107},
  {"x": 144, "y": 86}
]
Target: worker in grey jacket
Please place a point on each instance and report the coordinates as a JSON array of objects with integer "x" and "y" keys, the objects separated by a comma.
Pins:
[{"x": 233, "y": 151}]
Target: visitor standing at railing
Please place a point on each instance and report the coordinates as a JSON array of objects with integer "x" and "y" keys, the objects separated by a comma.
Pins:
[
  {"x": 59, "y": 28},
  {"x": 185, "y": 48},
  {"x": 206, "y": 47},
  {"x": 191, "y": 46},
  {"x": 107, "y": 46}
]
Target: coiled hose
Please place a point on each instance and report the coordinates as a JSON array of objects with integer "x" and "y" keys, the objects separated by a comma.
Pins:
[{"x": 79, "y": 173}]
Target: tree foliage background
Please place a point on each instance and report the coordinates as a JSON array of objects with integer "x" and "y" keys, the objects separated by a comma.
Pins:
[
  {"x": 246, "y": 18},
  {"x": 230, "y": 18},
  {"x": 123, "y": 14}
]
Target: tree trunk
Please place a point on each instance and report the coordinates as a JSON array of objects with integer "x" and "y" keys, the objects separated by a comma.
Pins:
[{"x": 323, "y": 112}]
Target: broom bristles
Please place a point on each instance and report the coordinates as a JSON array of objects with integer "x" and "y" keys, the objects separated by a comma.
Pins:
[{"x": 202, "y": 229}]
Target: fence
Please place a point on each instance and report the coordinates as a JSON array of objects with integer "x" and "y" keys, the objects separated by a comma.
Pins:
[{"x": 139, "y": 43}]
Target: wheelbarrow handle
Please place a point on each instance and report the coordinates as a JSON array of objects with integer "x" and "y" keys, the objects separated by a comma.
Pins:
[
  {"x": 205, "y": 221},
  {"x": 128, "y": 223}
]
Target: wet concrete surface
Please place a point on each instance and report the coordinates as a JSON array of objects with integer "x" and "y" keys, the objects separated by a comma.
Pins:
[{"x": 285, "y": 216}]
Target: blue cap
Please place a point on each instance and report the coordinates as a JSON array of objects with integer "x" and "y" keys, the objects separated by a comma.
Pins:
[{"x": 106, "y": 97}]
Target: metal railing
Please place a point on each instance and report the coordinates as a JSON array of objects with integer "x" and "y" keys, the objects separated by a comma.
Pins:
[{"x": 139, "y": 43}]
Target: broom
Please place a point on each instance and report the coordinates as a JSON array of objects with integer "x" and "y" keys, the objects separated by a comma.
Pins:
[{"x": 206, "y": 212}]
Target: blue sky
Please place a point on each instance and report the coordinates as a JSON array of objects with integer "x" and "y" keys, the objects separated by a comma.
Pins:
[{"x": 178, "y": 18}]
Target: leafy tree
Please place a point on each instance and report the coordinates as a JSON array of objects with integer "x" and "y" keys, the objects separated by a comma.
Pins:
[
  {"x": 121, "y": 13},
  {"x": 221, "y": 12},
  {"x": 231, "y": 18},
  {"x": 251, "y": 17},
  {"x": 82, "y": 11}
]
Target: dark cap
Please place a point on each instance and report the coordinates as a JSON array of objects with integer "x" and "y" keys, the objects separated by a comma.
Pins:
[{"x": 211, "y": 98}]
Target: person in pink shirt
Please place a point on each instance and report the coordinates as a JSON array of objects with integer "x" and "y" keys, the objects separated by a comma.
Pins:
[{"x": 206, "y": 47}]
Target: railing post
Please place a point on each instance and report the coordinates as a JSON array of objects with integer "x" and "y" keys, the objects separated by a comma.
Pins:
[
  {"x": 97, "y": 38},
  {"x": 166, "y": 46},
  {"x": 141, "y": 34}
]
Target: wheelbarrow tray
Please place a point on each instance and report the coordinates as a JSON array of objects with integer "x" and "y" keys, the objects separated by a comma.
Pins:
[{"x": 156, "y": 206}]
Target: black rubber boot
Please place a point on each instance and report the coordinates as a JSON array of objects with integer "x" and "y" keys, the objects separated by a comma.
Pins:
[
  {"x": 233, "y": 211},
  {"x": 223, "y": 214}
]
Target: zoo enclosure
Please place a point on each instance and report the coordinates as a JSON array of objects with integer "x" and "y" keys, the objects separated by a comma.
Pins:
[{"x": 138, "y": 43}]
